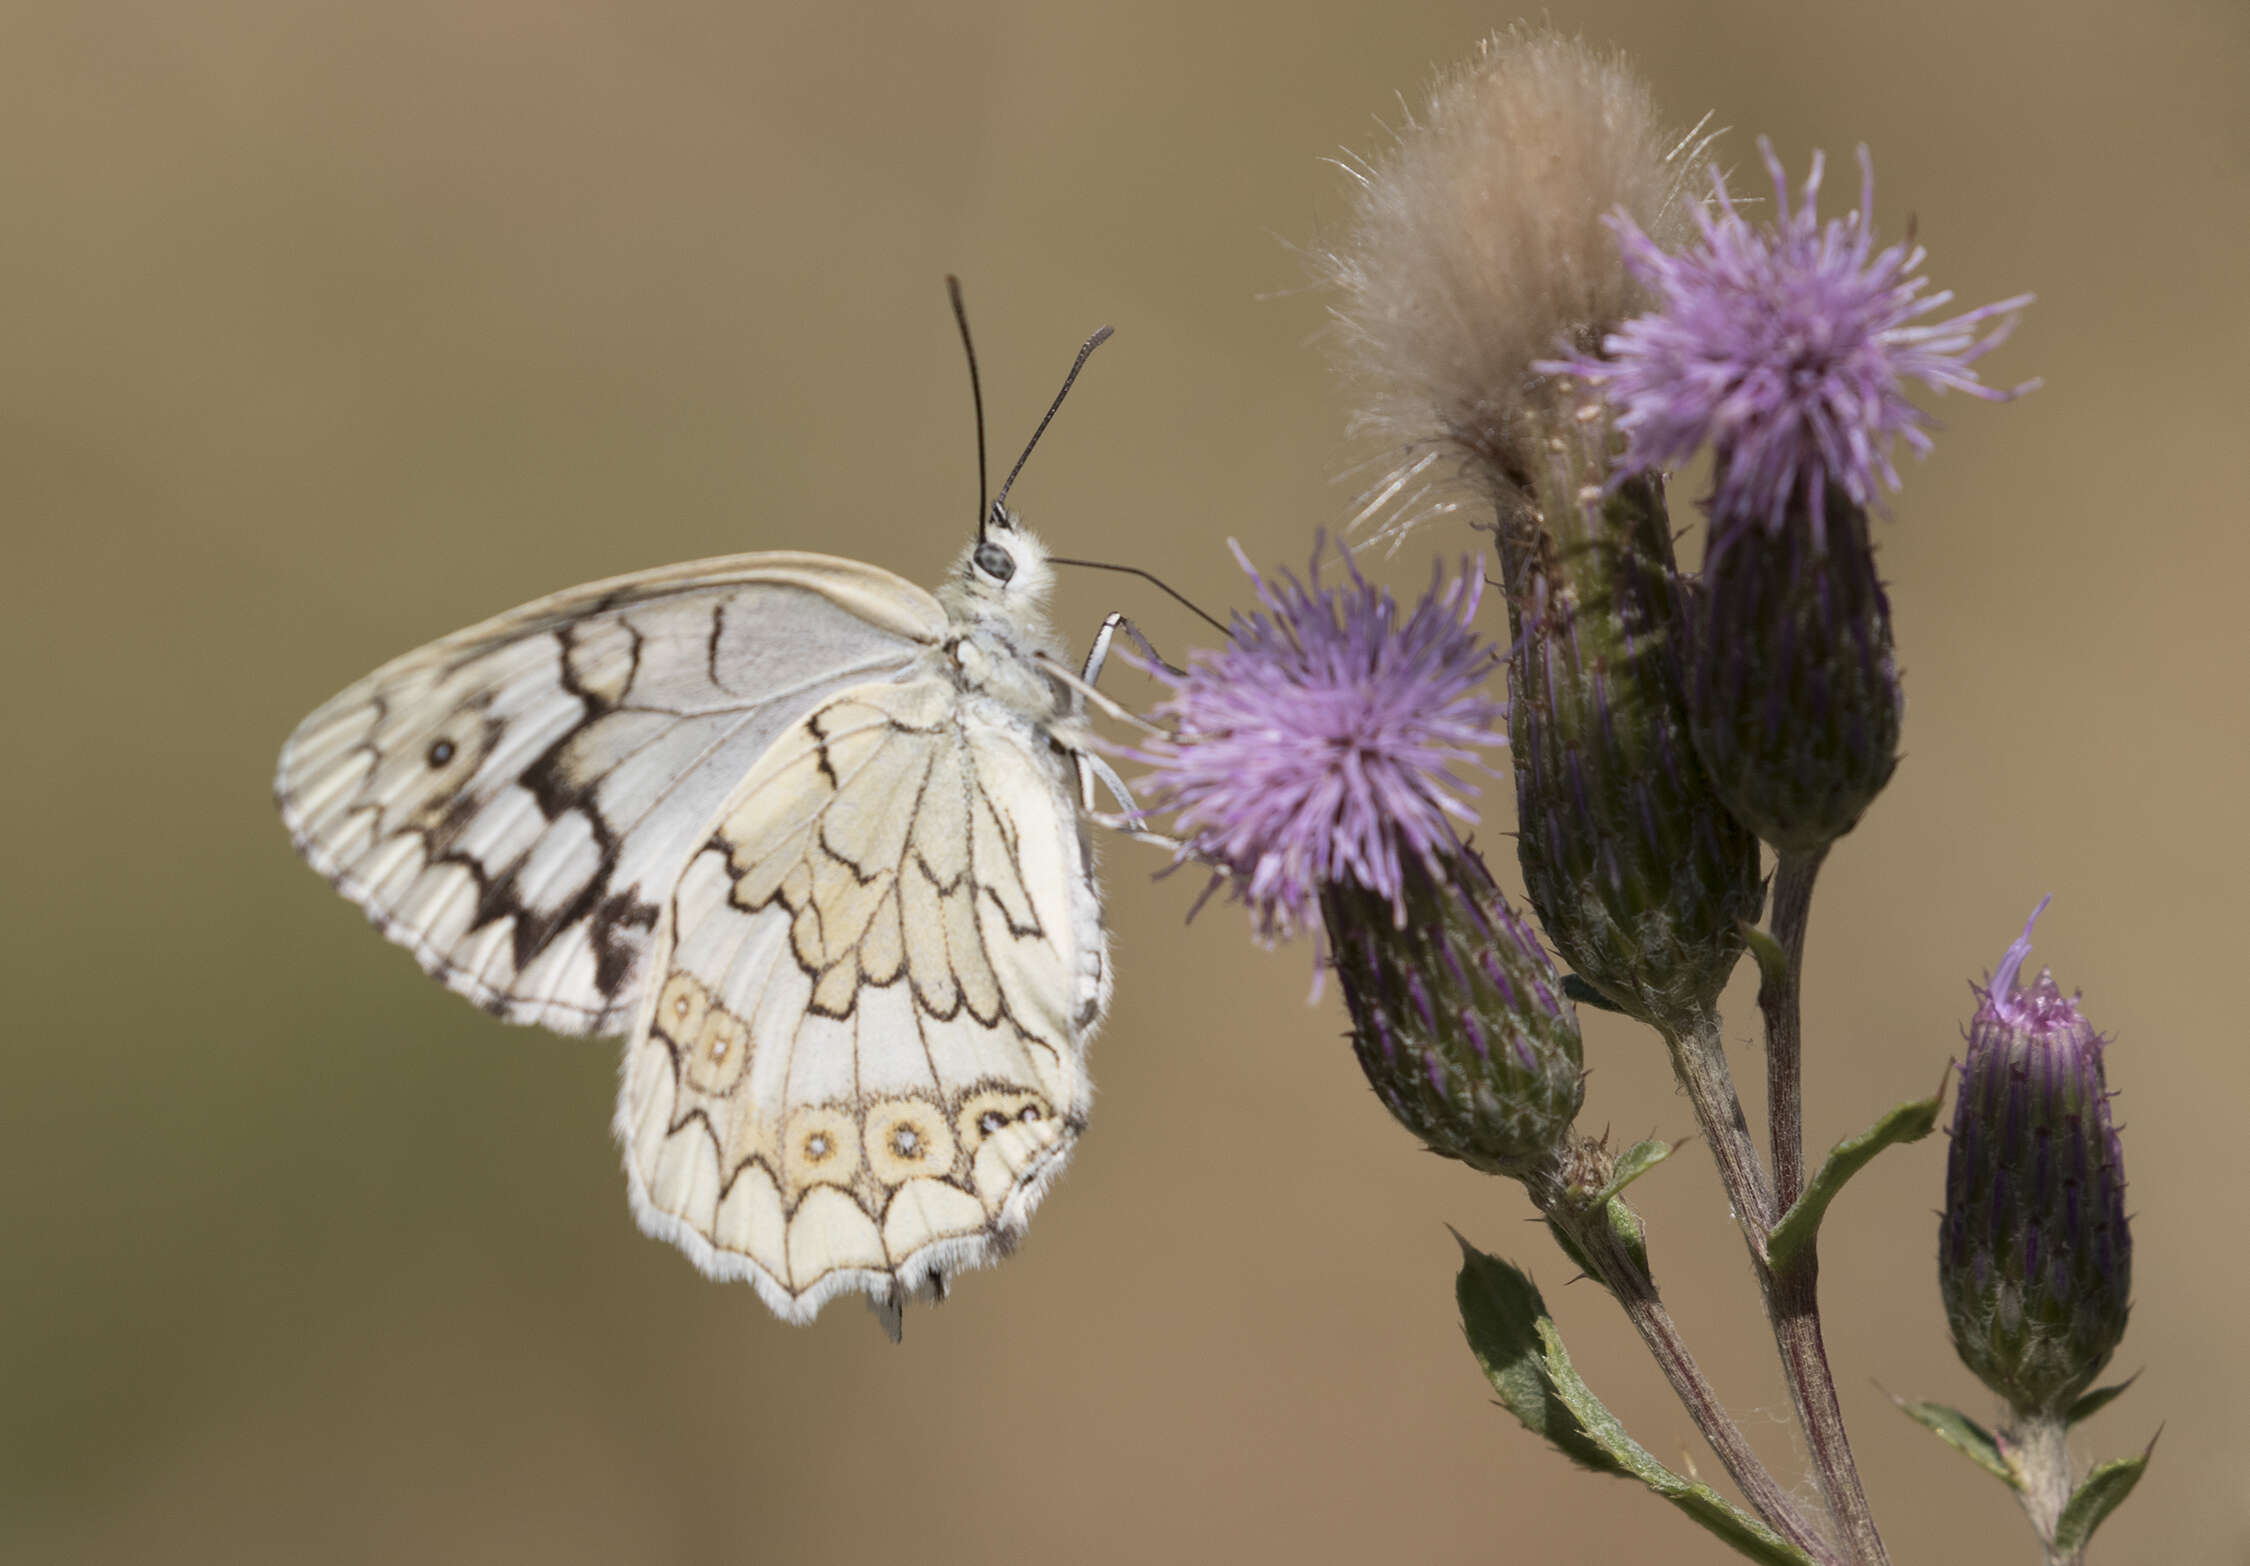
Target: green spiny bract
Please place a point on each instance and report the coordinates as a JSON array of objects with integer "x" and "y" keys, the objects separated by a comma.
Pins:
[{"x": 1458, "y": 1018}]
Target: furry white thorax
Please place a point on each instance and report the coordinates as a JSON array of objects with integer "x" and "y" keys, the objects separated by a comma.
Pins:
[{"x": 1000, "y": 630}]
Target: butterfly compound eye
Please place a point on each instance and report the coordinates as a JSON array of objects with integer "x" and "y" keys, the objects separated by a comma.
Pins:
[{"x": 995, "y": 561}]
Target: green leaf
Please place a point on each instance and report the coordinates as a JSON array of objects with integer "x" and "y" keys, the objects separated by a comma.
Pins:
[
  {"x": 1522, "y": 1355},
  {"x": 1963, "y": 1434},
  {"x": 1634, "y": 1162},
  {"x": 1908, "y": 1122},
  {"x": 2097, "y": 1400},
  {"x": 1625, "y": 1227},
  {"x": 1500, "y": 1312},
  {"x": 1586, "y": 995},
  {"x": 1773, "y": 962},
  {"x": 2105, "y": 1488},
  {"x": 1571, "y": 1249}
]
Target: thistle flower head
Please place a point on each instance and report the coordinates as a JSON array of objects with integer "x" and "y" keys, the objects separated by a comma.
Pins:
[
  {"x": 1788, "y": 346},
  {"x": 2035, "y": 1260},
  {"x": 1325, "y": 742}
]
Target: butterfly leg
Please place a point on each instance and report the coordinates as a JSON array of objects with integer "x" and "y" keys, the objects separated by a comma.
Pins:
[
  {"x": 1127, "y": 820},
  {"x": 1099, "y": 653},
  {"x": 1097, "y": 658},
  {"x": 1094, "y": 769}
]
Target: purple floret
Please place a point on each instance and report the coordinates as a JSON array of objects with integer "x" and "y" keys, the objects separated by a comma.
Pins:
[
  {"x": 2042, "y": 1010},
  {"x": 1324, "y": 742},
  {"x": 1787, "y": 346}
]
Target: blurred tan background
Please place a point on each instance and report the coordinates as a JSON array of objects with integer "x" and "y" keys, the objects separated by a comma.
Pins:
[{"x": 332, "y": 328}]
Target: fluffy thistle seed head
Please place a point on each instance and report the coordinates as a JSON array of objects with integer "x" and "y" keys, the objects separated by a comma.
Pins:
[
  {"x": 1476, "y": 243},
  {"x": 1325, "y": 743},
  {"x": 2035, "y": 1261},
  {"x": 1788, "y": 347}
]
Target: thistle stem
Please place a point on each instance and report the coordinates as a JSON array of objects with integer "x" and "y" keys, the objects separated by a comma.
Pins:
[
  {"x": 1778, "y": 998},
  {"x": 1699, "y": 1061},
  {"x": 2040, "y": 1450},
  {"x": 1792, "y": 1302},
  {"x": 1628, "y": 1281},
  {"x": 1793, "y": 1295}
]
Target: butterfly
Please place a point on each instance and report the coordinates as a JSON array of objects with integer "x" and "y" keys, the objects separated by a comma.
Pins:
[{"x": 812, "y": 838}]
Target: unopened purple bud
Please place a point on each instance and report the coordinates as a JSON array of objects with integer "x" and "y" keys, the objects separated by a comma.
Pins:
[
  {"x": 2035, "y": 1260},
  {"x": 1793, "y": 692},
  {"x": 1481, "y": 1077}
]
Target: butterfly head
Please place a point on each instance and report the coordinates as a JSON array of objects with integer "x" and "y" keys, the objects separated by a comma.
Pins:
[{"x": 1004, "y": 574}]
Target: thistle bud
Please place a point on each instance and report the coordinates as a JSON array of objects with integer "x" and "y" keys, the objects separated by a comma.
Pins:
[
  {"x": 1793, "y": 692},
  {"x": 2034, "y": 1257},
  {"x": 1458, "y": 1018},
  {"x": 1639, "y": 875}
]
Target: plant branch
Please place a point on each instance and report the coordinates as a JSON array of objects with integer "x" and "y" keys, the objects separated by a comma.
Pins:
[
  {"x": 1699, "y": 1061},
  {"x": 2039, "y": 1452},
  {"x": 1793, "y": 1292},
  {"x": 1596, "y": 1243},
  {"x": 1778, "y": 998},
  {"x": 1793, "y": 1303}
]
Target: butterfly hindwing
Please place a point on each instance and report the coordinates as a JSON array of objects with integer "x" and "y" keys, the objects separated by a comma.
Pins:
[
  {"x": 863, "y": 1057},
  {"x": 513, "y": 804}
]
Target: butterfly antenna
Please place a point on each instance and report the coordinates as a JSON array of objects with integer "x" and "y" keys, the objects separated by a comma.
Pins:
[
  {"x": 1101, "y": 336},
  {"x": 976, "y": 393},
  {"x": 1160, "y": 584}
]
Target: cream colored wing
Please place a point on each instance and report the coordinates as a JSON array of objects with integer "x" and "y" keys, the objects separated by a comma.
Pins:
[
  {"x": 865, "y": 1059},
  {"x": 514, "y": 804}
]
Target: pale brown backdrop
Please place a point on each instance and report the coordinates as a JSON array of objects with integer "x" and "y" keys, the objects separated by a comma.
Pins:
[{"x": 329, "y": 328}]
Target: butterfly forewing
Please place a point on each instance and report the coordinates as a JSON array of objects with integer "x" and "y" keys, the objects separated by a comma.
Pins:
[
  {"x": 863, "y": 1057},
  {"x": 514, "y": 803}
]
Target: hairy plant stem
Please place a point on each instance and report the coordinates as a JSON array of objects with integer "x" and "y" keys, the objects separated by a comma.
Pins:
[
  {"x": 2039, "y": 1449},
  {"x": 1699, "y": 1061},
  {"x": 1628, "y": 1281},
  {"x": 1793, "y": 1294},
  {"x": 1792, "y": 1303},
  {"x": 1791, "y": 1297},
  {"x": 1778, "y": 998}
]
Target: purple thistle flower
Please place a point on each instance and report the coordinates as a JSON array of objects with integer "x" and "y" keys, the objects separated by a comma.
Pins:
[
  {"x": 1787, "y": 347},
  {"x": 1322, "y": 743}
]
